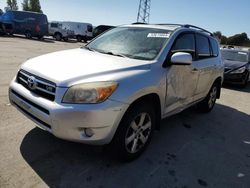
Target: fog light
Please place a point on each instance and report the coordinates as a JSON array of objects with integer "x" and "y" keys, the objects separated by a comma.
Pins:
[{"x": 89, "y": 132}]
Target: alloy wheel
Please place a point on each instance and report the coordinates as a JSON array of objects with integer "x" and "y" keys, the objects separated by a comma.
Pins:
[
  {"x": 138, "y": 133},
  {"x": 212, "y": 97}
]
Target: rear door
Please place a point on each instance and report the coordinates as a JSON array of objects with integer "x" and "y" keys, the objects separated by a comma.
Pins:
[
  {"x": 206, "y": 65},
  {"x": 181, "y": 79}
]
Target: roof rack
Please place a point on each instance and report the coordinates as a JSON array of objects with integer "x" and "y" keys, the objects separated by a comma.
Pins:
[
  {"x": 182, "y": 25},
  {"x": 198, "y": 28}
]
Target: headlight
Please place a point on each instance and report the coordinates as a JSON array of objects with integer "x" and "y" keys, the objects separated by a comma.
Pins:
[
  {"x": 89, "y": 93},
  {"x": 239, "y": 71}
]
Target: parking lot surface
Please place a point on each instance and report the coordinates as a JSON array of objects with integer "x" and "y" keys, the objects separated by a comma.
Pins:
[{"x": 191, "y": 149}]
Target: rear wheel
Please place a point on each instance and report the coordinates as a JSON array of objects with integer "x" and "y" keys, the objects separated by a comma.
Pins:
[
  {"x": 134, "y": 132},
  {"x": 208, "y": 103},
  {"x": 28, "y": 35},
  {"x": 40, "y": 37}
]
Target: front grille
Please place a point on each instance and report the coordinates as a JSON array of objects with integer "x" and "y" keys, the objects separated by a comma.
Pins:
[{"x": 37, "y": 85}]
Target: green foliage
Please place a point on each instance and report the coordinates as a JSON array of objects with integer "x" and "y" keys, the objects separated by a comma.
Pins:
[
  {"x": 25, "y": 5},
  {"x": 237, "y": 40},
  {"x": 32, "y": 5},
  {"x": 11, "y": 5},
  {"x": 35, "y": 6}
]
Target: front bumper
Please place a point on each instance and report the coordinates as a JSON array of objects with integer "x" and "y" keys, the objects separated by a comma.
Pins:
[
  {"x": 235, "y": 78},
  {"x": 69, "y": 121}
]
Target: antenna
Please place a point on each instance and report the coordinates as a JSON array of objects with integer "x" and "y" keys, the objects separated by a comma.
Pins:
[{"x": 144, "y": 11}]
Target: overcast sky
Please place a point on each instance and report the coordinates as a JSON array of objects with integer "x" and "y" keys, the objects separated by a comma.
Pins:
[{"x": 228, "y": 16}]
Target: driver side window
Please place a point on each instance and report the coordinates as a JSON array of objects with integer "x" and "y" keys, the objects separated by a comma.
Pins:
[{"x": 184, "y": 43}]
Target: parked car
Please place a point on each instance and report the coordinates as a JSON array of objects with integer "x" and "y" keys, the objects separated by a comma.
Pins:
[
  {"x": 30, "y": 24},
  {"x": 101, "y": 29},
  {"x": 117, "y": 88},
  {"x": 237, "y": 66},
  {"x": 60, "y": 31},
  {"x": 82, "y": 31}
]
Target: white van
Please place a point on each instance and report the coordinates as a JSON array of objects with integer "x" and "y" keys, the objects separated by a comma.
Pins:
[
  {"x": 83, "y": 31},
  {"x": 59, "y": 30}
]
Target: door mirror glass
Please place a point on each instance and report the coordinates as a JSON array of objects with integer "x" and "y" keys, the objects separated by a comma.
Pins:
[{"x": 181, "y": 58}]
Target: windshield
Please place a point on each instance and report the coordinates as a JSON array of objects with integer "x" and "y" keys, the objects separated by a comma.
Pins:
[
  {"x": 136, "y": 43},
  {"x": 235, "y": 56}
]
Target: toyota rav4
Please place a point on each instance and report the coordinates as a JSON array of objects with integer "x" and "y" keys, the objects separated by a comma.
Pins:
[{"x": 116, "y": 89}]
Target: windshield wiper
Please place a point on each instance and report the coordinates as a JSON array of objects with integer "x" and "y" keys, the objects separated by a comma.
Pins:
[
  {"x": 88, "y": 48},
  {"x": 114, "y": 54}
]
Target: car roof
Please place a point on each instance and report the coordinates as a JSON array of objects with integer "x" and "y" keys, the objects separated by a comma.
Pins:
[
  {"x": 166, "y": 27},
  {"x": 171, "y": 27}
]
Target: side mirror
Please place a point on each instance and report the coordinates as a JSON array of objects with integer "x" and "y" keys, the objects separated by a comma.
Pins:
[{"x": 181, "y": 58}]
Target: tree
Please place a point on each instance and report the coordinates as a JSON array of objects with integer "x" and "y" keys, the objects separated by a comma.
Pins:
[
  {"x": 11, "y": 5},
  {"x": 34, "y": 5},
  {"x": 25, "y": 5},
  {"x": 218, "y": 34},
  {"x": 239, "y": 40},
  {"x": 223, "y": 39}
]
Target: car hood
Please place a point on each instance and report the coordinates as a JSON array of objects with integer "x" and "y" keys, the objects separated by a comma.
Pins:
[
  {"x": 234, "y": 64},
  {"x": 70, "y": 66}
]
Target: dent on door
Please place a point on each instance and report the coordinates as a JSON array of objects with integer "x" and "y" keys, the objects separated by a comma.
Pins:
[{"x": 181, "y": 86}]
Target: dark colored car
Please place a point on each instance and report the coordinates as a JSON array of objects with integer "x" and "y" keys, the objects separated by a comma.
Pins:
[
  {"x": 30, "y": 24},
  {"x": 237, "y": 66},
  {"x": 100, "y": 29}
]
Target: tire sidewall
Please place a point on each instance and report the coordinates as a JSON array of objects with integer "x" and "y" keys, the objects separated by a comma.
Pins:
[{"x": 118, "y": 143}]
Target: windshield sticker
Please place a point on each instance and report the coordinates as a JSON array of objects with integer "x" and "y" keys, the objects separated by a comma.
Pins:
[
  {"x": 158, "y": 35},
  {"x": 242, "y": 53}
]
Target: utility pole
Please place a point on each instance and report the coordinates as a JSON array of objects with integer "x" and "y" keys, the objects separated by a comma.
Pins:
[{"x": 144, "y": 11}]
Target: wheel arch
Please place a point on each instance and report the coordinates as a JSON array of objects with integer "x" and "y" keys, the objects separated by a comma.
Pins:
[
  {"x": 218, "y": 81},
  {"x": 152, "y": 99}
]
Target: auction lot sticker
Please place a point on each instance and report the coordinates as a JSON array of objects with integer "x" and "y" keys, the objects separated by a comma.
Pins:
[{"x": 158, "y": 35}]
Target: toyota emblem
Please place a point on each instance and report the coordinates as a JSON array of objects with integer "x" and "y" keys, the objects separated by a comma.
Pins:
[{"x": 32, "y": 84}]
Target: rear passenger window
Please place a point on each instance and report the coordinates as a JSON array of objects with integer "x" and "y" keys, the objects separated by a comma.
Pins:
[
  {"x": 215, "y": 48},
  {"x": 202, "y": 47},
  {"x": 185, "y": 43}
]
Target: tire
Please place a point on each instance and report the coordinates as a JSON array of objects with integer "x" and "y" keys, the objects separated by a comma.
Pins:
[
  {"x": 58, "y": 36},
  {"x": 79, "y": 38},
  {"x": 40, "y": 37},
  {"x": 66, "y": 39},
  {"x": 134, "y": 132},
  {"x": 28, "y": 35},
  {"x": 208, "y": 103}
]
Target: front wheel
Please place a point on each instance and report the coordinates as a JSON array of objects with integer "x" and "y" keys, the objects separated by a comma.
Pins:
[
  {"x": 58, "y": 37},
  {"x": 208, "y": 103},
  {"x": 134, "y": 132},
  {"x": 79, "y": 39}
]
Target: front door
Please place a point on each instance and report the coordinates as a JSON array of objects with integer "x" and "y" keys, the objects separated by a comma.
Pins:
[{"x": 181, "y": 79}]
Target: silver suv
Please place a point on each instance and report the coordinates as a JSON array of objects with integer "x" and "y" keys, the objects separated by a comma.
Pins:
[{"x": 116, "y": 89}]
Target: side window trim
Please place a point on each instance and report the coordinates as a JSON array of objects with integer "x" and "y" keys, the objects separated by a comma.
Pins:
[
  {"x": 177, "y": 38},
  {"x": 216, "y": 52},
  {"x": 210, "y": 47}
]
